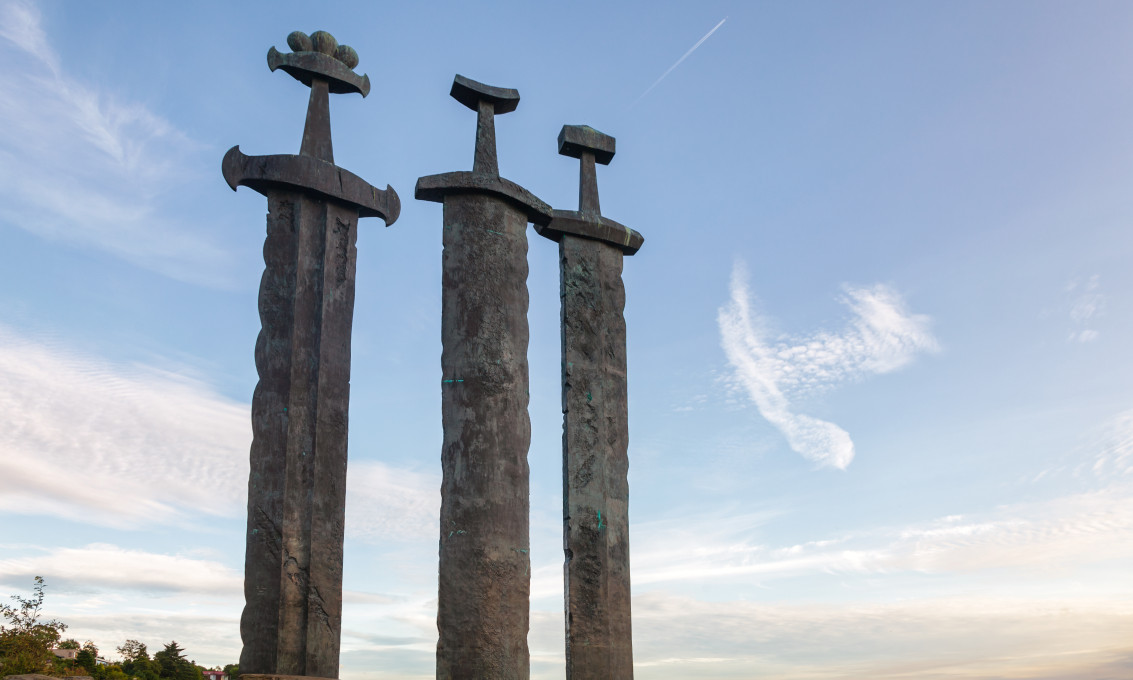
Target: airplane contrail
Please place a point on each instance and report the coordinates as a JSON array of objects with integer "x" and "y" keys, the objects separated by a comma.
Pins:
[{"x": 685, "y": 56}]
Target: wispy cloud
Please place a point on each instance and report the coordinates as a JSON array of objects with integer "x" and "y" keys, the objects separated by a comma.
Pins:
[
  {"x": 137, "y": 446},
  {"x": 680, "y": 61},
  {"x": 882, "y": 336},
  {"x": 102, "y": 566},
  {"x": 1114, "y": 446},
  {"x": 118, "y": 445},
  {"x": 1033, "y": 540},
  {"x": 1087, "y": 303},
  {"x": 385, "y": 502},
  {"x": 945, "y": 638},
  {"x": 80, "y": 166}
]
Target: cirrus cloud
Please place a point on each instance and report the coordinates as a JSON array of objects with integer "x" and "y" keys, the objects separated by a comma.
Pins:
[{"x": 882, "y": 336}]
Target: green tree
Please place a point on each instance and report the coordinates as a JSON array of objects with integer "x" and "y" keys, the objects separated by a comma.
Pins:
[
  {"x": 112, "y": 672},
  {"x": 25, "y": 641},
  {"x": 70, "y": 643},
  {"x": 87, "y": 660},
  {"x": 136, "y": 662},
  {"x": 232, "y": 670},
  {"x": 173, "y": 664},
  {"x": 132, "y": 650}
]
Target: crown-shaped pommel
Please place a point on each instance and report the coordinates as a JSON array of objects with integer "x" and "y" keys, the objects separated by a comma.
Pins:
[{"x": 320, "y": 56}]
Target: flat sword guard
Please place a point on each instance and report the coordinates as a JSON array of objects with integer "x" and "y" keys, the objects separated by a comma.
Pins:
[
  {"x": 484, "y": 178},
  {"x": 306, "y": 173},
  {"x": 589, "y": 146},
  {"x": 594, "y": 227},
  {"x": 435, "y": 187}
]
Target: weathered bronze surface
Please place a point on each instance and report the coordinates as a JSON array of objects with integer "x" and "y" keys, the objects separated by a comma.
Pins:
[
  {"x": 485, "y": 569},
  {"x": 595, "y": 421},
  {"x": 291, "y": 625}
]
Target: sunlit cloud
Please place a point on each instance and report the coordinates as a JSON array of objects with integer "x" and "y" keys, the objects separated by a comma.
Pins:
[
  {"x": 882, "y": 336},
  {"x": 81, "y": 166},
  {"x": 101, "y": 566},
  {"x": 117, "y": 445},
  {"x": 1032, "y": 539},
  {"x": 920, "y": 638},
  {"x": 152, "y": 446}
]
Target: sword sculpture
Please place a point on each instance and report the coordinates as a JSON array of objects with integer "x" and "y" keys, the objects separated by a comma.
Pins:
[
  {"x": 485, "y": 570},
  {"x": 292, "y": 618},
  {"x": 595, "y": 420}
]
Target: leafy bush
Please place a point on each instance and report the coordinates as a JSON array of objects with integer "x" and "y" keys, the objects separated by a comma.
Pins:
[{"x": 25, "y": 641}]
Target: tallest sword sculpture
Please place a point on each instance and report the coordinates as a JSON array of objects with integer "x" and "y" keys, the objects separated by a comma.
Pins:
[{"x": 292, "y": 618}]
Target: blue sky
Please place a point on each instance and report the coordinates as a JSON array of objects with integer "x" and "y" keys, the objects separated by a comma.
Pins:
[{"x": 881, "y": 422}]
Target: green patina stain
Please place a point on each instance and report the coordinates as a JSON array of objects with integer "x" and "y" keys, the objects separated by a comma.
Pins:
[
  {"x": 599, "y": 519},
  {"x": 588, "y": 397}
]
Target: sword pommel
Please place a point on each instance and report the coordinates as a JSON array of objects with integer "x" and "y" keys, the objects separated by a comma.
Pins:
[
  {"x": 575, "y": 140},
  {"x": 589, "y": 146},
  {"x": 470, "y": 93},
  {"x": 486, "y": 101},
  {"x": 320, "y": 56}
]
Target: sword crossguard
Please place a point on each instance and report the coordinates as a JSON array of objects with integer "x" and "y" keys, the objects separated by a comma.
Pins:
[
  {"x": 486, "y": 101},
  {"x": 589, "y": 146},
  {"x": 319, "y": 62}
]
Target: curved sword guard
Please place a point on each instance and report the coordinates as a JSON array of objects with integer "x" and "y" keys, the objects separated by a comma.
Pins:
[{"x": 305, "y": 173}]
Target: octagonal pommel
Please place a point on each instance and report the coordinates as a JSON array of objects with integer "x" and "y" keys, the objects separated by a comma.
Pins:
[
  {"x": 574, "y": 140},
  {"x": 320, "y": 56},
  {"x": 471, "y": 93}
]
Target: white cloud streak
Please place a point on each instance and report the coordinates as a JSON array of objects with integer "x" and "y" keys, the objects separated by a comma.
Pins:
[
  {"x": 1033, "y": 540},
  {"x": 680, "y": 61},
  {"x": 946, "y": 638},
  {"x": 132, "y": 446},
  {"x": 102, "y": 566},
  {"x": 881, "y": 337},
  {"x": 79, "y": 166},
  {"x": 115, "y": 445}
]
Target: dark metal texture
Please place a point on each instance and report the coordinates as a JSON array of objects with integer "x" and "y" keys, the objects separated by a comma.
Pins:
[
  {"x": 575, "y": 140},
  {"x": 319, "y": 56},
  {"x": 265, "y": 173},
  {"x": 599, "y": 643},
  {"x": 291, "y": 624},
  {"x": 485, "y": 569},
  {"x": 471, "y": 93}
]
